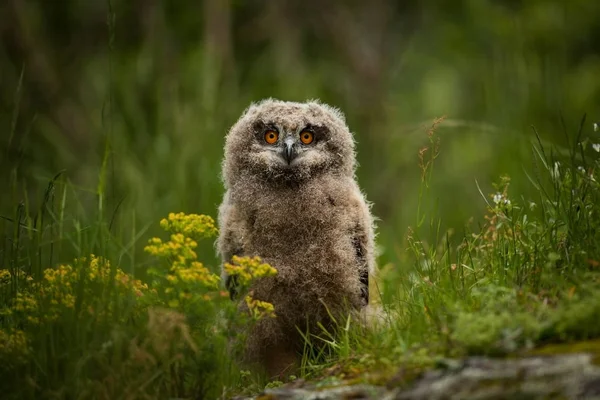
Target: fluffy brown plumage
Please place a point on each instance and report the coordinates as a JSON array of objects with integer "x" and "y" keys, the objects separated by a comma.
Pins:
[{"x": 299, "y": 208}]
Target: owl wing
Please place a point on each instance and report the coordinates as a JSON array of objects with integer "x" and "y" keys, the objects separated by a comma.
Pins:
[
  {"x": 230, "y": 241},
  {"x": 363, "y": 270},
  {"x": 364, "y": 243}
]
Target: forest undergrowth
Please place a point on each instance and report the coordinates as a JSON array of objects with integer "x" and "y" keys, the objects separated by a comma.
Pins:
[{"x": 520, "y": 277}]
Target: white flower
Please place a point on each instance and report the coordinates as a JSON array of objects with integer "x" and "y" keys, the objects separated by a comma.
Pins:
[
  {"x": 596, "y": 127},
  {"x": 556, "y": 172},
  {"x": 498, "y": 197},
  {"x": 581, "y": 169},
  {"x": 596, "y": 146},
  {"x": 532, "y": 205}
]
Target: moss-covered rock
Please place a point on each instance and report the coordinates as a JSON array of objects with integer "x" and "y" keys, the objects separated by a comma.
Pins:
[{"x": 565, "y": 376}]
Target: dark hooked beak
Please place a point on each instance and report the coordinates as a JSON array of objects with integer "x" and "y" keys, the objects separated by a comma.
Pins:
[{"x": 289, "y": 150}]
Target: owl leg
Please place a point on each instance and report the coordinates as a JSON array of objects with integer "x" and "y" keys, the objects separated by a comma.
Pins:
[
  {"x": 272, "y": 348},
  {"x": 280, "y": 361}
]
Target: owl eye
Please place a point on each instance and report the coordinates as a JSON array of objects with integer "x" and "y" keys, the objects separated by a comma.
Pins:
[
  {"x": 271, "y": 136},
  {"x": 307, "y": 137}
]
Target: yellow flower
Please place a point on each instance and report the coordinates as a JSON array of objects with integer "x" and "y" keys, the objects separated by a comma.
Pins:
[
  {"x": 179, "y": 250},
  {"x": 195, "y": 225},
  {"x": 64, "y": 273},
  {"x": 179, "y": 247},
  {"x": 68, "y": 300},
  {"x": 25, "y": 302},
  {"x": 14, "y": 345},
  {"x": 4, "y": 275},
  {"x": 248, "y": 269},
  {"x": 260, "y": 309},
  {"x": 49, "y": 299},
  {"x": 197, "y": 273}
]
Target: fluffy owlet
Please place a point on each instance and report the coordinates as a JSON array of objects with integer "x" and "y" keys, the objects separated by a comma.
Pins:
[{"x": 292, "y": 199}]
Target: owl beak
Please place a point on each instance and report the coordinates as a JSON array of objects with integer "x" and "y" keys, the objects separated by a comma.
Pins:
[{"x": 289, "y": 151}]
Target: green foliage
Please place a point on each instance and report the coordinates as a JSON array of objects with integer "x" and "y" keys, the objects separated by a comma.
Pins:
[
  {"x": 527, "y": 275},
  {"x": 87, "y": 329},
  {"x": 576, "y": 319},
  {"x": 498, "y": 326}
]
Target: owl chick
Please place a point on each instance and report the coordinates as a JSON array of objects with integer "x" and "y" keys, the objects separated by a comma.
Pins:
[{"x": 292, "y": 199}]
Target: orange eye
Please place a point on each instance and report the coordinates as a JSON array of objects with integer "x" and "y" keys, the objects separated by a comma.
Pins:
[
  {"x": 306, "y": 137},
  {"x": 271, "y": 137}
]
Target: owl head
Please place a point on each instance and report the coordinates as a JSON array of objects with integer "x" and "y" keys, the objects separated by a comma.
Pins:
[{"x": 282, "y": 141}]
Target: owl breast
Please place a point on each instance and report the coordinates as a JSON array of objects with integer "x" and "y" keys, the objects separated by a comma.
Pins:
[{"x": 306, "y": 233}]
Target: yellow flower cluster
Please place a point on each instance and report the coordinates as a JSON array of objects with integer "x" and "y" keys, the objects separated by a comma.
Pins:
[
  {"x": 178, "y": 247},
  {"x": 14, "y": 346},
  {"x": 25, "y": 302},
  {"x": 248, "y": 269},
  {"x": 194, "y": 225},
  {"x": 4, "y": 276},
  {"x": 46, "y": 300},
  {"x": 179, "y": 250},
  {"x": 185, "y": 270},
  {"x": 44, "y": 303},
  {"x": 99, "y": 270},
  {"x": 56, "y": 291},
  {"x": 194, "y": 273},
  {"x": 259, "y": 309},
  {"x": 63, "y": 275}
]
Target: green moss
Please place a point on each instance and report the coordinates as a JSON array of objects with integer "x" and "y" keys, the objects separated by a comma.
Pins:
[
  {"x": 494, "y": 333},
  {"x": 589, "y": 346},
  {"x": 578, "y": 319}
]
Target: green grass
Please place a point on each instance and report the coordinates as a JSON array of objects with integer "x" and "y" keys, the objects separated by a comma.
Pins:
[{"x": 523, "y": 275}]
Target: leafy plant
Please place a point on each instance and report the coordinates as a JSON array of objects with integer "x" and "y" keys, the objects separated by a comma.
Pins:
[{"x": 119, "y": 336}]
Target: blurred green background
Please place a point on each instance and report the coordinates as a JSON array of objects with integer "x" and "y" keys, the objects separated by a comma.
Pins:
[{"x": 155, "y": 85}]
